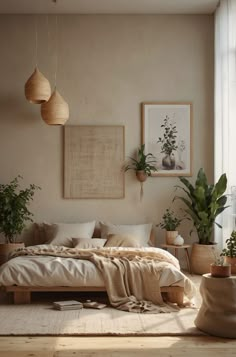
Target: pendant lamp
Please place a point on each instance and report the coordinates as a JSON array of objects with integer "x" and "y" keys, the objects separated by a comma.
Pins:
[
  {"x": 37, "y": 88},
  {"x": 56, "y": 110}
]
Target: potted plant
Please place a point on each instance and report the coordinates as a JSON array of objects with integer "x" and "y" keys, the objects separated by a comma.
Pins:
[
  {"x": 168, "y": 143},
  {"x": 170, "y": 222},
  {"x": 229, "y": 253},
  {"x": 143, "y": 165},
  {"x": 14, "y": 214},
  {"x": 219, "y": 268},
  {"x": 204, "y": 202}
]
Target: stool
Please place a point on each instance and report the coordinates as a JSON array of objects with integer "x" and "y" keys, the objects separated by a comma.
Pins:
[
  {"x": 176, "y": 248},
  {"x": 217, "y": 314}
]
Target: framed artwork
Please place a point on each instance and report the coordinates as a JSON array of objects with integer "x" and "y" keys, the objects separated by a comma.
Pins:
[
  {"x": 93, "y": 161},
  {"x": 167, "y": 134}
]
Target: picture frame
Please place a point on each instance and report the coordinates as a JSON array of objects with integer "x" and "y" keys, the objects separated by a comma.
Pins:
[
  {"x": 93, "y": 159},
  {"x": 167, "y": 133}
]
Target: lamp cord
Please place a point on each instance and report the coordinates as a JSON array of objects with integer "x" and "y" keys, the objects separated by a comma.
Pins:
[
  {"x": 56, "y": 64},
  {"x": 36, "y": 42}
]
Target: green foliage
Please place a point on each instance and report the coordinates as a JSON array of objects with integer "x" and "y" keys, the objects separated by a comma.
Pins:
[
  {"x": 144, "y": 162},
  {"x": 13, "y": 208},
  {"x": 230, "y": 250},
  {"x": 169, "y": 221},
  {"x": 204, "y": 203},
  {"x": 168, "y": 140}
]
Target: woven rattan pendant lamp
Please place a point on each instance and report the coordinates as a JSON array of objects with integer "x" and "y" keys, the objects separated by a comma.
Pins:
[
  {"x": 37, "y": 87},
  {"x": 55, "y": 111}
]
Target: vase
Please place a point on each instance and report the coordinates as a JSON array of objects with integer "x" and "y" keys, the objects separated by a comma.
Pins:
[{"x": 168, "y": 162}]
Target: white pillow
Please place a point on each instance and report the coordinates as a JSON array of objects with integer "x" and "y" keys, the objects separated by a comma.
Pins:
[
  {"x": 88, "y": 243},
  {"x": 142, "y": 231},
  {"x": 62, "y": 233}
]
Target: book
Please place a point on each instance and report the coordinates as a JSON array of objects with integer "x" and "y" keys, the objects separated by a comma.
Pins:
[
  {"x": 67, "y": 305},
  {"x": 93, "y": 305}
]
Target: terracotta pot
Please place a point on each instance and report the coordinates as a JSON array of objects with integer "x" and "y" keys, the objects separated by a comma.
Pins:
[
  {"x": 170, "y": 237},
  {"x": 6, "y": 249},
  {"x": 141, "y": 175},
  {"x": 231, "y": 261},
  {"x": 220, "y": 271},
  {"x": 202, "y": 256}
]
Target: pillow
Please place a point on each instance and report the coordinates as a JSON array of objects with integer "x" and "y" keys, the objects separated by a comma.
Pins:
[
  {"x": 141, "y": 231},
  {"x": 62, "y": 233},
  {"x": 87, "y": 243},
  {"x": 123, "y": 240}
]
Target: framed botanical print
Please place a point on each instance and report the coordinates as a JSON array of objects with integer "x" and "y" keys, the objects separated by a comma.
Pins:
[{"x": 167, "y": 134}]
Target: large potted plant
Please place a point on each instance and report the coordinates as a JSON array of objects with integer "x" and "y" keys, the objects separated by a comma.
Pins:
[
  {"x": 204, "y": 202},
  {"x": 14, "y": 214},
  {"x": 170, "y": 222},
  {"x": 229, "y": 253}
]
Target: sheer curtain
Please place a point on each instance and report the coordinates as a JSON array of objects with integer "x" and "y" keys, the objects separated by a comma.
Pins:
[{"x": 225, "y": 109}]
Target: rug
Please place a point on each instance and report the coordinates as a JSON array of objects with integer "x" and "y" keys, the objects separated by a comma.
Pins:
[{"x": 40, "y": 318}]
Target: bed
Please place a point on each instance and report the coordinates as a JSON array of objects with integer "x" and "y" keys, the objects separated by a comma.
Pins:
[{"x": 75, "y": 264}]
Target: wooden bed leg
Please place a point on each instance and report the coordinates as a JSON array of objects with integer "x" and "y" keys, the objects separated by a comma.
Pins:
[
  {"x": 21, "y": 297},
  {"x": 176, "y": 297}
]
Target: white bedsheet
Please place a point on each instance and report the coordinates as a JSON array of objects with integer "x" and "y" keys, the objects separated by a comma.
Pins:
[{"x": 49, "y": 271}]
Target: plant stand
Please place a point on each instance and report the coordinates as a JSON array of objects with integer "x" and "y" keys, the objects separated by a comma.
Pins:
[{"x": 176, "y": 251}]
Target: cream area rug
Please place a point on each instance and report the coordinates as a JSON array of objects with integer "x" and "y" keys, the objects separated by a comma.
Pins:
[{"x": 39, "y": 318}]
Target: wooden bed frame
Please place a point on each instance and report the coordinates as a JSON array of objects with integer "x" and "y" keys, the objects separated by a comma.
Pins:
[{"x": 22, "y": 294}]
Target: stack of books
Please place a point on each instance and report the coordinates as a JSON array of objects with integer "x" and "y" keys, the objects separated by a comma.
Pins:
[{"x": 68, "y": 305}]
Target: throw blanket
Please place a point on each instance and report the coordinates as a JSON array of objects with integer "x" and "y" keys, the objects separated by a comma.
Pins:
[{"x": 131, "y": 277}]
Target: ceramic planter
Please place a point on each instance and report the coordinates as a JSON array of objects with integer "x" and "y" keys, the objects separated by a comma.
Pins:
[
  {"x": 231, "y": 261},
  {"x": 171, "y": 236},
  {"x": 220, "y": 271}
]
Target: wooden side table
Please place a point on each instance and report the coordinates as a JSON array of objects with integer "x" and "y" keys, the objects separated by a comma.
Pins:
[{"x": 176, "y": 249}]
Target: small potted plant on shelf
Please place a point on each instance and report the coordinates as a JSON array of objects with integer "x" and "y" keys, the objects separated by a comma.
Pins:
[
  {"x": 219, "y": 268},
  {"x": 229, "y": 253},
  {"x": 143, "y": 165},
  {"x": 14, "y": 214},
  {"x": 170, "y": 222}
]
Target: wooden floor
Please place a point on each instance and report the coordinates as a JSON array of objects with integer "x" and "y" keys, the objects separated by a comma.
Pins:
[{"x": 116, "y": 346}]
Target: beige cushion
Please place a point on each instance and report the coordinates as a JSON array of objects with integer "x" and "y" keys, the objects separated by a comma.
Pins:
[
  {"x": 141, "y": 231},
  {"x": 62, "y": 233},
  {"x": 123, "y": 240},
  {"x": 88, "y": 243}
]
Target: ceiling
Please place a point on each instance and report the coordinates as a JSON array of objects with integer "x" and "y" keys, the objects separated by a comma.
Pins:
[{"x": 108, "y": 6}]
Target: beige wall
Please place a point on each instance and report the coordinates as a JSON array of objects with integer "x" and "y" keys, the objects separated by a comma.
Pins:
[{"x": 108, "y": 65}]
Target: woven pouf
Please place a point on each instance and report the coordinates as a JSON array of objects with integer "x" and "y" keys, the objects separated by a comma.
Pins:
[{"x": 217, "y": 314}]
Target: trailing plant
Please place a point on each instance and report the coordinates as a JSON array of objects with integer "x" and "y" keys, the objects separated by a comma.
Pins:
[
  {"x": 168, "y": 141},
  {"x": 230, "y": 250},
  {"x": 204, "y": 203},
  {"x": 169, "y": 221},
  {"x": 144, "y": 162},
  {"x": 14, "y": 211}
]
